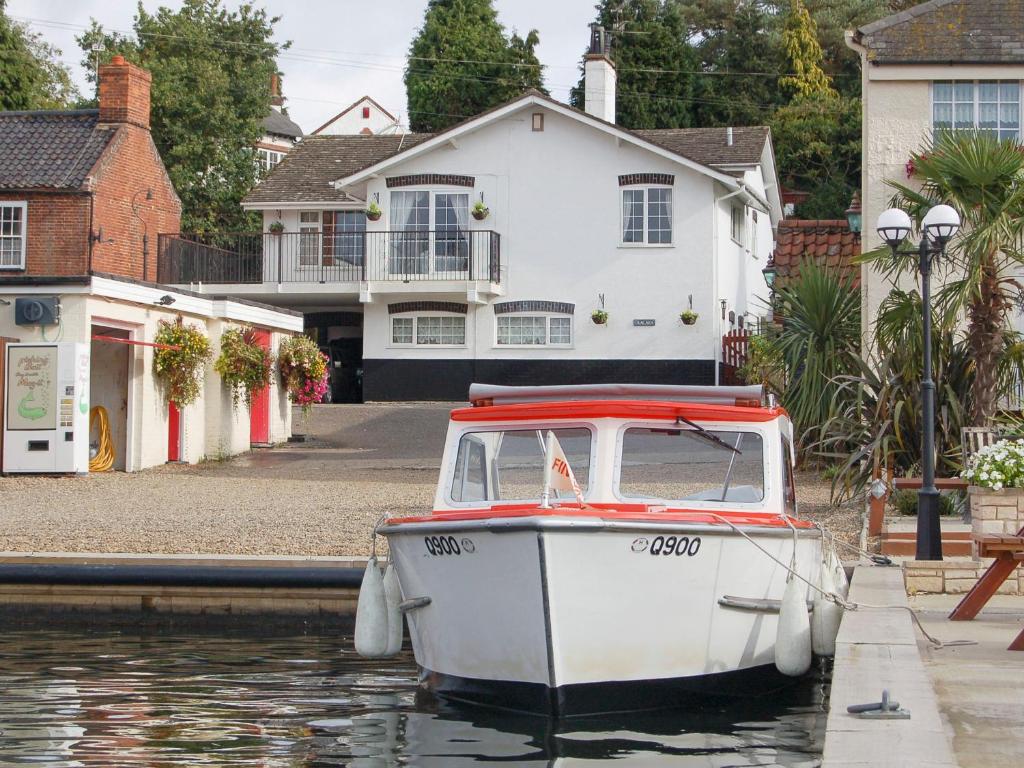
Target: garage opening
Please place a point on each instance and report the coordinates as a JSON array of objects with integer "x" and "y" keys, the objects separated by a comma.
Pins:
[{"x": 108, "y": 387}]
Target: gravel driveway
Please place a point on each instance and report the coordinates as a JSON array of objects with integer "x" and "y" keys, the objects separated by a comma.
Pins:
[{"x": 315, "y": 498}]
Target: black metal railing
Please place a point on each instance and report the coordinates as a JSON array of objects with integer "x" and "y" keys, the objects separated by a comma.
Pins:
[{"x": 329, "y": 257}]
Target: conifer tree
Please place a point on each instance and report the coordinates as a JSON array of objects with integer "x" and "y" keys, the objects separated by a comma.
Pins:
[{"x": 461, "y": 63}]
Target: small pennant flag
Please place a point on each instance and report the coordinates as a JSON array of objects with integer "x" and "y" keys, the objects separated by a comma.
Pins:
[{"x": 558, "y": 474}]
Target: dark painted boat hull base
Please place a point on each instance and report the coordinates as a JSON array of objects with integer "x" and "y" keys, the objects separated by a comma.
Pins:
[{"x": 609, "y": 697}]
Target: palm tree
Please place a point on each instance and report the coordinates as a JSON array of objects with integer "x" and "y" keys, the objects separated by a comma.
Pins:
[{"x": 983, "y": 179}]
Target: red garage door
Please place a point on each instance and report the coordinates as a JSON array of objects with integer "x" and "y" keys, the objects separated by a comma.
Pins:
[{"x": 259, "y": 416}]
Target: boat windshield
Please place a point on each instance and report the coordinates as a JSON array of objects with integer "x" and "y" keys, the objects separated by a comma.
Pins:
[
  {"x": 683, "y": 464},
  {"x": 508, "y": 465}
]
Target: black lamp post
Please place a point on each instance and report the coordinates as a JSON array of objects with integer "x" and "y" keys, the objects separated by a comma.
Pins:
[{"x": 937, "y": 227}]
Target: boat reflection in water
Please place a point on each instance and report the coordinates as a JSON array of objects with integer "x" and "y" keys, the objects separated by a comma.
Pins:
[{"x": 107, "y": 698}]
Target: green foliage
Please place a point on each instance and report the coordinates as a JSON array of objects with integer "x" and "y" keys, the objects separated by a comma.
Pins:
[
  {"x": 244, "y": 366},
  {"x": 211, "y": 90},
  {"x": 655, "y": 64},
  {"x": 983, "y": 179},
  {"x": 461, "y": 63},
  {"x": 817, "y": 343},
  {"x": 817, "y": 149},
  {"x": 180, "y": 371},
  {"x": 303, "y": 370},
  {"x": 804, "y": 55},
  {"x": 905, "y": 503},
  {"x": 31, "y": 73},
  {"x": 764, "y": 364}
]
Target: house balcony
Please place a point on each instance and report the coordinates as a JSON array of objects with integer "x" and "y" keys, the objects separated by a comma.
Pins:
[{"x": 263, "y": 265}]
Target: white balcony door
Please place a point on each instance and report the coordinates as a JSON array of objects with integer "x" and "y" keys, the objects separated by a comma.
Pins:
[
  {"x": 309, "y": 242},
  {"x": 429, "y": 240},
  {"x": 409, "y": 253}
]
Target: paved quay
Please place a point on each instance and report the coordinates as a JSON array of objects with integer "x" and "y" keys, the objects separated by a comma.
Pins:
[{"x": 980, "y": 688}]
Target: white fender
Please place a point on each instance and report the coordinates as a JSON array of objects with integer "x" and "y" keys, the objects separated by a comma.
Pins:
[
  {"x": 371, "y": 614},
  {"x": 793, "y": 636},
  {"x": 839, "y": 579},
  {"x": 392, "y": 597},
  {"x": 826, "y": 616}
]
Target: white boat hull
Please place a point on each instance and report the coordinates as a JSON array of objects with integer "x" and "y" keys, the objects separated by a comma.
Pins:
[{"x": 570, "y": 616}]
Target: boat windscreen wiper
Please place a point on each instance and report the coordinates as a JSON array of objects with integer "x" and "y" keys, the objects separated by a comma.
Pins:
[{"x": 710, "y": 436}]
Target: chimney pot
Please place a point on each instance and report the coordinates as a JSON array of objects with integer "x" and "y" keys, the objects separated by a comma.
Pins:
[
  {"x": 599, "y": 77},
  {"x": 728, "y": 136},
  {"x": 118, "y": 60}
]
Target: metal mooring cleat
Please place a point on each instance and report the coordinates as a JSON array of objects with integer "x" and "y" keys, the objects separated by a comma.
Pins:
[{"x": 880, "y": 710}]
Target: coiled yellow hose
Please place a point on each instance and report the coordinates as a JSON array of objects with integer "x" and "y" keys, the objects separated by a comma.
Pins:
[{"x": 103, "y": 461}]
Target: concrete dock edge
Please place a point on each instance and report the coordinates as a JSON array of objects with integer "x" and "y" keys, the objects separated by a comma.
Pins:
[{"x": 877, "y": 649}]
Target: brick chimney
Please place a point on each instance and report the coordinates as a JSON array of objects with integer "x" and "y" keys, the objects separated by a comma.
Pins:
[
  {"x": 124, "y": 93},
  {"x": 276, "y": 99},
  {"x": 599, "y": 78}
]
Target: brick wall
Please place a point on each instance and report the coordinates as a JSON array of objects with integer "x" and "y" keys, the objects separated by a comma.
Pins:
[
  {"x": 57, "y": 233},
  {"x": 131, "y": 166},
  {"x": 124, "y": 93}
]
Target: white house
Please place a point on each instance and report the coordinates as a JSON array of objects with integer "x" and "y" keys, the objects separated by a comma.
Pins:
[
  {"x": 365, "y": 117},
  {"x": 939, "y": 65},
  {"x": 583, "y": 215}
]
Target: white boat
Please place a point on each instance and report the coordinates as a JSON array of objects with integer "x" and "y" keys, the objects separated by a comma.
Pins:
[{"x": 661, "y": 582}]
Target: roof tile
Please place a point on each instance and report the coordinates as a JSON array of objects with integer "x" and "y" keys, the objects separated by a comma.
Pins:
[
  {"x": 825, "y": 242},
  {"x": 50, "y": 149}
]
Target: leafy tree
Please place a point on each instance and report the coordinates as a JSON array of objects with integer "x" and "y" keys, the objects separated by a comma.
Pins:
[
  {"x": 804, "y": 55},
  {"x": 211, "y": 90},
  {"x": 983, "y": 179},
  {"x": 461, "y": 63},
  {"x": 31, "y": 74},
  {"x": 655, "y": 64}
]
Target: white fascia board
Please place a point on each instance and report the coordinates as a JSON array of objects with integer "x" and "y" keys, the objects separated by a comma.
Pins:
[
  {"x": 33, "y": 290},
  {"x": 149, "y": 295},
  {"x": 444, "y": 139},
  {"x": 317, "y": 205},
  {"x": 772, "y": 183},
  {"x": 951, "y": 71},
  {"x": 268, "y": 318}
]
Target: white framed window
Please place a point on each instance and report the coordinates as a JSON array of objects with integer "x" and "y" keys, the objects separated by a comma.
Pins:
[
  {"x": 737, "y": 223},
  {"x": 309, "y": 238},
  {"x": 429, "y": 330},
  {"x": 13, "y": 226},
  {"x": 534, "y": 330},
  {"x": 647, "y": 216},
  {"x": 268, "y": 158},
  {"x": 421, "y": 217},
  {"x": 992, "y": 106}
]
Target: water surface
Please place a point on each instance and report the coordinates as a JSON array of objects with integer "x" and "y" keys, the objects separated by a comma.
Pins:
[{"x": 110, "y": 698}]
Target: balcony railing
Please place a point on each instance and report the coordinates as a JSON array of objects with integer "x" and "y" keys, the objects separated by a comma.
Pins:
[{"x": 330, "y": 257}]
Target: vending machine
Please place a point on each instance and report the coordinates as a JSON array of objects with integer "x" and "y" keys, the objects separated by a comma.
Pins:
[{"x": 46, "y": 407}]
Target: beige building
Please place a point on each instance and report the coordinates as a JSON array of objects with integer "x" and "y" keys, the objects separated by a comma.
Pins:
[{"x": 944, "y": 64}]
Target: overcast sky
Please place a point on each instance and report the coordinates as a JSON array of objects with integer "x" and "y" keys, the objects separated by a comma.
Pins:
[{"x": 341, "y": 49}]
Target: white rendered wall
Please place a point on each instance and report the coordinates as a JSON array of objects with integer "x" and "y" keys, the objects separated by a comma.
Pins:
[{"x": 353, "y": 122}]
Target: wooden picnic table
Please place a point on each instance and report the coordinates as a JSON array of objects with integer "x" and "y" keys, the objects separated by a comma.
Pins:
[
  {"x": 1008, "y": 552},
  {"x": 942, "y": 483}
]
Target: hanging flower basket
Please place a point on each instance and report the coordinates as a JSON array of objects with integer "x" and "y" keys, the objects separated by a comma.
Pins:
[
  {"x": 480, "y": 211},
  {"x": 303, "y": 370},
  {"x": 373, "y": 212},
  {"x": 244, "y": 366},
  {"x": 276, "y": 228},
  {"x": 688, "y": 316},
  {"x": 599, "y": 316},
  {"x": 180, "y": 371}
]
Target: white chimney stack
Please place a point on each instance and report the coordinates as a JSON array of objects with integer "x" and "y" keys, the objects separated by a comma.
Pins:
[
  {"x": 728, "y": 136},
  {"x": 599, "y": 78}
]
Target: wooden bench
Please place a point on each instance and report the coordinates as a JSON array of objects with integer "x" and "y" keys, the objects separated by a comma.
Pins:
[
  {"x": 1008, "y": 552},
  {"x": 942, "y": 483}
]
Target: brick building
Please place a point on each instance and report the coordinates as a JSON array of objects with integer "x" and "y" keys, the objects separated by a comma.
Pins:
[{"x": 83, "y": 197}]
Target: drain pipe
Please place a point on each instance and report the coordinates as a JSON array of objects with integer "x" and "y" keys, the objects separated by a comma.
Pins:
[{"x": 714, "y": 281}]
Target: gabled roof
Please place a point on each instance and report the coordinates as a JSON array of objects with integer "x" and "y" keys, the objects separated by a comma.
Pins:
[
  {"x": 948, "y": 32},
  {"x": 47, "y": 149},
  {"x": 280, "y": 124},
  {"x": 352, "y": 106},
  {"x": 308, "y": 172},
  {"x": 825, "y": 242}
]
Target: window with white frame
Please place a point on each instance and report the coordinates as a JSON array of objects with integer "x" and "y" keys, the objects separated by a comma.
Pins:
[
  {"x": 534, "y": 330},
  {"x": 647, "y": 216},
  {"x": 429, "y": 330},
  {"x": 309, "y": 238},
  {"x": 13, "y": 218},
  {"x": 992, "y": 106},
  {"x": 268, "y": 158},
  {"x": 737, "y": 223}
]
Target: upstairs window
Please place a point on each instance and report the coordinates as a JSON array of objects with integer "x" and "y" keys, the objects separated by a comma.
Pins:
[
  {"x": 992, "y": 106},
  {"x": 647, "y": 216},
  {"x": 737, "y": 224},
  {"x": 268, "y": 158},
  {"x": 12, "y": 234}
]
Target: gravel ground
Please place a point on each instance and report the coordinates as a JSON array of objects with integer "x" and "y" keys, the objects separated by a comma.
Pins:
[{"x": 316, "y": 498}]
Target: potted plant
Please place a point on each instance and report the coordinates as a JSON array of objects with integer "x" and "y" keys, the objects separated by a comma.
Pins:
[
  {"x": 303, "y": 370},
  {"x": 276, "y": 228},
  {"x": 599, "y": 316},
  {"x": 373, "y": 211},
  {"x": 688, "y": 316},
  {"x": 243, "y": 365},
  {"x": 480, "y": 211},
  {"x": 180, "y": 360}
]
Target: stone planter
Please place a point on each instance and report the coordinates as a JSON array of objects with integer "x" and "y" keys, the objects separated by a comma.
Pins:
[{"x": 995, "y": 512}]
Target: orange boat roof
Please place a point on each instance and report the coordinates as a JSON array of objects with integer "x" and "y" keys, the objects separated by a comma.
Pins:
[{"x": 617, "y": 409}]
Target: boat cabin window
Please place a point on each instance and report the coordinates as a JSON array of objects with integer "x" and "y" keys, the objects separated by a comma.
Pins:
[
  {"x": 508, "y": 465},
  {"x": 788, "y": 485},
  {"x": 684, "y": 464}
]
